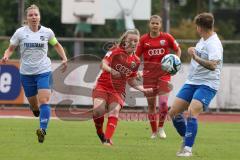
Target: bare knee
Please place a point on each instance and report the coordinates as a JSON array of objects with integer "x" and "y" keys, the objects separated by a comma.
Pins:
[
  {"x": 171, "y": 113},
  {"x": 44, "y": 96},
  {"x": 114, "y": 112},
  {"x": 44, "y": 99},
  {"x": 98, "y": 112},
  {"x": 151, "y": 107}
]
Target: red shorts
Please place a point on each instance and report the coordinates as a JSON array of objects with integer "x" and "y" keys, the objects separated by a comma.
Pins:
[{"x": 108, "y": 95}]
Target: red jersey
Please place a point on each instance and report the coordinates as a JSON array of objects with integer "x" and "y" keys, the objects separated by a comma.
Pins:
[
  {"x": 153, "y": 50},
  {"x": 126, "y": 65}
]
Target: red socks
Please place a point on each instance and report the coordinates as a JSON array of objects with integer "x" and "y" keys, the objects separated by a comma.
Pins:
[
  {"x": 153, "y": 122},
  {"x": 111, "y": 126},
  {"x": 162, "y": 114}
]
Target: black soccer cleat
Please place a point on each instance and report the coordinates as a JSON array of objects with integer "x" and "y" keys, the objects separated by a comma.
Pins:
[
  {"x": 35, "y": 112},
  {"x": 41, "y": 134},
  {"x": 102, "y": 137}
]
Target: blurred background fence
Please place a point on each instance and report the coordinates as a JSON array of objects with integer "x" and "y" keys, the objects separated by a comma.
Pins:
[
  {"x": 79, "y": 84},
  {"x": 97, "y": 46},
  {"x": 86, "y": 27}
]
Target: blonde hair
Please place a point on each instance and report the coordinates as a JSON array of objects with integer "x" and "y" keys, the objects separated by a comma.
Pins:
[
  {"x": 33, "y": 6},
  {"x": 121, "y": 41}
]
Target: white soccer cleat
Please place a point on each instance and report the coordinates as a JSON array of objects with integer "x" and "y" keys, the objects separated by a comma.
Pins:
[
  {"x": 184, "y": 153},
  {"x": 162, "y": 133},
  {"x": 182, "y": 146},
  {"x": 153, "y": 136}
]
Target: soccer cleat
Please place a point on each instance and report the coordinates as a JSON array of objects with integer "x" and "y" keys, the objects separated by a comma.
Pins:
[
  {"x": 153, "y": 136},
  {"x": 184, "y": 153},
  {"x": 35, "y": 112},
  {"x": 182, "y": 146},
  {"x": 162, "y": 133},
  {"x": 102, "y": 137},
  {"x": 108, "y": 142},
  {"x": 41, "y": 134}
]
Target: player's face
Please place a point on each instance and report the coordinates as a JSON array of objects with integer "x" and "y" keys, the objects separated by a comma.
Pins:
[
  {"x": 33, "y": 17},
  {"x": 155, "y": 25},
  {"x": 131, "y": 42}
]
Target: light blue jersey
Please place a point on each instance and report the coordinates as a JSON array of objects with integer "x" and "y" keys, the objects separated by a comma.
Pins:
[
  {"x": 210, "y": 49},
  {"x": 33, "y": 49}
]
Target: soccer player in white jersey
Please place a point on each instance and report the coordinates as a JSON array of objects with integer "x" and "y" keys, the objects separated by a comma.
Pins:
[
  {"x": 202, "y": 82},
  {"x": 35, "y": 65}
]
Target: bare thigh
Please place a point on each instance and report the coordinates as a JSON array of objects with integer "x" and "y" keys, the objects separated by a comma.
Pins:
[{"x": 195, "y": 108}]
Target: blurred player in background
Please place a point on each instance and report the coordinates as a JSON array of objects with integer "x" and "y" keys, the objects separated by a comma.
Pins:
[
  {"x": 35, "y": 65},
  {"x": 153, "y": 47},
  {"x": 120, "y": 66},
  {"x": 202, "y": 82}
]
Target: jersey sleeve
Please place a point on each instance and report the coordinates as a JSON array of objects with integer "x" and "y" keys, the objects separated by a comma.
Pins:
[
  {"x": 109, "y": 56},
  {"x": 214, "y": 52},
  {"x": 15, "y": 38},
  {"x": 172, "y": 42},
  {"x": 139, "y": 49},
  {"x": 50, "y": 34},
  {"x": 51, "y": 38}
]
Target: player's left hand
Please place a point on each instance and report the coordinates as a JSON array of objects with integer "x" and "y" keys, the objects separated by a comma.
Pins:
[
  {"x": 192, "y": 52},
  {"x": 4, "y": 59},
  {"x": 64, "y": 65}
]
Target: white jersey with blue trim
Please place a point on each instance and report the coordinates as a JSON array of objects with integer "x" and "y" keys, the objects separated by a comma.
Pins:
[
  {"x": 210, "y": 49},
  {"x": 33, "y": 49}
]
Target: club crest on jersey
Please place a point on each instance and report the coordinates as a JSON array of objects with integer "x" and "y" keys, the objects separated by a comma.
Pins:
[
  {"x": 162, "y": 42},
  {"x": 133, "y": 64},
  {"x": 42, "y": 38},
  {"x": 147, "y": 44}
]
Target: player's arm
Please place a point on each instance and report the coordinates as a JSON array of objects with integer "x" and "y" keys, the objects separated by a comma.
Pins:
[
  {"x": 178, "y": 52},
  {"x": 139, "y": 48},
  {"x": 59, "y": 49},
  {"x": 133, "y": 83},
  {"x": 8, "y": 52},
  {"x": 209, "y": 64},
  {"x": 105, "y": 66},
  {"x": 174, "y": 45}
]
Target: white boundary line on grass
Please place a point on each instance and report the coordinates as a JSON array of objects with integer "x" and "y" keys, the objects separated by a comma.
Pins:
[{"x": 22, "y": 117}]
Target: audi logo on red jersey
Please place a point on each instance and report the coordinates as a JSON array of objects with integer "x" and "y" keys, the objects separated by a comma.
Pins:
[
  {"x": 124, "y": 70},
  {"x": 155, "y": 52}
]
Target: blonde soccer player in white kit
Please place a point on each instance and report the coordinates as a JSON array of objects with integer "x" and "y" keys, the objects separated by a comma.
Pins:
[
  {"x": 35, "y": 65},
  {"x": 202, "y": 83}
]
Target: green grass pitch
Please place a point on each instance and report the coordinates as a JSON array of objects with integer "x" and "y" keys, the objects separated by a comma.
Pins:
[{"x": 76, "y": 140}]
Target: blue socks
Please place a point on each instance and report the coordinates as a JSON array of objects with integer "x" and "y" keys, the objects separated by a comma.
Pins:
[
  {"x": 191, "y": 131},
  {"x": 180, "y": 124},
  {"x": 45, "y": 113}
]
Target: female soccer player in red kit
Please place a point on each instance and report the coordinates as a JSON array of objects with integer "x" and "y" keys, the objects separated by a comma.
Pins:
[
  {"x": 120, "y": 65},
  {"x": 153, "y": 46}
]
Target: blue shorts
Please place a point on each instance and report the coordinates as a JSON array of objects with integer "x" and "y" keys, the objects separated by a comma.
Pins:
[
  {"x": 202, "y": 93},
  {"x": 31, "y": 83}
]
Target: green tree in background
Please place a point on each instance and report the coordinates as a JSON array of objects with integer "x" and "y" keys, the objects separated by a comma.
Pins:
[{"x": 181, "y": 20}]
